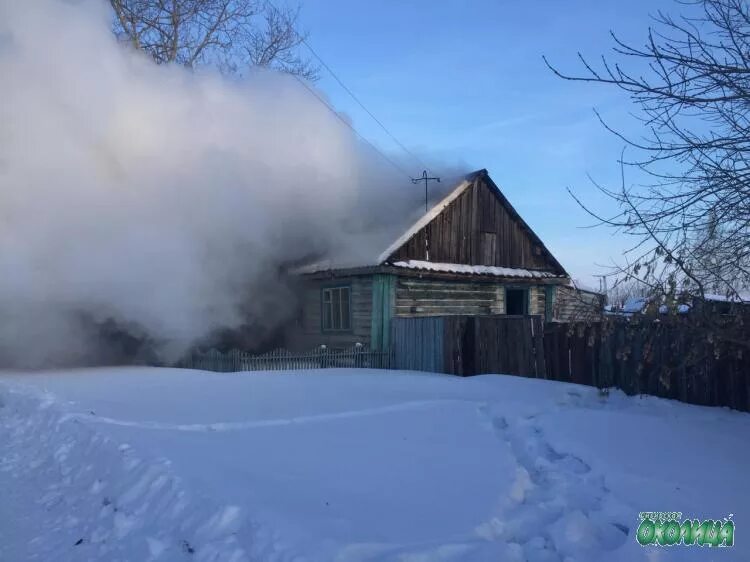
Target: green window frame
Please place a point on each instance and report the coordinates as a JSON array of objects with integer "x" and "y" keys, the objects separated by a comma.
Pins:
[
  {"x": 336, "y": 308},
  {"x": 549, "y": 302}
]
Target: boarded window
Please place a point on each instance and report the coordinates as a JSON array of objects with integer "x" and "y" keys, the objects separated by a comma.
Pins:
[
  {"x": 489, "y": 246},
  {"x": 516, "y": 301},
  {"x": 336, "y": 305}
]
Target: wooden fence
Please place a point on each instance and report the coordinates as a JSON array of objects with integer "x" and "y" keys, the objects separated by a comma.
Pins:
[
  {"x": 668, "y": 357},
  {"x": 470, "y": 345},
  {"x": 494, "y": 344},
  {"x": 418, "y": 343},
  {"x": 282, "y": 360}
]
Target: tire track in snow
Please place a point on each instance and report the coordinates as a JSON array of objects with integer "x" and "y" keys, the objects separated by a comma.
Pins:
[{"x": 252, "y": 424}]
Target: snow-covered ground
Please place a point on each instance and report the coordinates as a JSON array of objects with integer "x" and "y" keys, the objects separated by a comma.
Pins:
[{"x": 170, "y": 465}]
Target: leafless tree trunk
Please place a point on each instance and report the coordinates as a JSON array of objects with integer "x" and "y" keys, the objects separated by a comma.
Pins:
[
  {"x": 230, "y": 34},
  {"x": 691, "y": 83}
]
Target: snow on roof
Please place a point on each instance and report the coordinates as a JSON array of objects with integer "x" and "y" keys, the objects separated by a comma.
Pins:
[
  {"x": 424, "y": 220},
  {"x": 585, "y": 288},
  {"x": 635, "y": 304},
  {"x": 681, "y": 309},
  {"x": 329, "y": 265},
  {"x": 473, "y": 269}
]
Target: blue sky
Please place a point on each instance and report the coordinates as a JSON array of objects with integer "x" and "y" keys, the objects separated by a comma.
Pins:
[{"x": 464, "y": 82}]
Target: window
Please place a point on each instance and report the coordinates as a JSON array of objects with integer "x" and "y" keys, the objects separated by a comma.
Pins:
[
  {"x": 337, "y": 310},
  {"x": 516, "y": 301}
]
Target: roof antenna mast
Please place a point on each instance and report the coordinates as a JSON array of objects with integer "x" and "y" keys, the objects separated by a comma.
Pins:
[{"x": 425, "y": 179}]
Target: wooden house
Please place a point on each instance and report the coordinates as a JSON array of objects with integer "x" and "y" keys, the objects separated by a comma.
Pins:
[
  {"x": 574, "y": 303},
  {"x": 471, "y": 254}
]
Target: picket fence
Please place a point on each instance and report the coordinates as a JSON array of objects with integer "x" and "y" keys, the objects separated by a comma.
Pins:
[{"x": 283, "y": 360}]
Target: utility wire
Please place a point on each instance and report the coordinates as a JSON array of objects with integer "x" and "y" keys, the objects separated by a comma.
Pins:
[
  {"x": 362, "y": 105},
  {"x": 355, "y": 98},
  {"x": 345, "y": 122}
]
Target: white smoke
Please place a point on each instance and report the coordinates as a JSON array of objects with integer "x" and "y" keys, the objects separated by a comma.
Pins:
[{"x": 158, "y": 197}]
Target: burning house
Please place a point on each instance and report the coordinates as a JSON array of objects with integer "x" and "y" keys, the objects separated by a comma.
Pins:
[{"x": 471, "y": 254}]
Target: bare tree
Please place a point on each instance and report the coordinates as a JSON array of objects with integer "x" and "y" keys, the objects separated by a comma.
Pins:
[
  {"x": 230, "y": 34},
  {"x": 691, "y": 83},
  {"x": 625, "y": 290}
]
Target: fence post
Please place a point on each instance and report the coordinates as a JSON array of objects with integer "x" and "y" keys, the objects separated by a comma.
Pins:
[
  {"x": 323, "y": 356},
  {"x": 539, "y": 362}
]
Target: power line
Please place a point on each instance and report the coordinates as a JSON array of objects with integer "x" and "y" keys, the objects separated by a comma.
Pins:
[
  {"x": 362, "y": 105},
  {"x": 354, "y": 97},
  {"x": 345, "y": 122}
]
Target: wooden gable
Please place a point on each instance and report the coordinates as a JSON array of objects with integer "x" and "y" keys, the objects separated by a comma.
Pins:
[{"x": 478, "y": 227}]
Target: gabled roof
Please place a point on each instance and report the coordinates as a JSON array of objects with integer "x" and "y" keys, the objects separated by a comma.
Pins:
[
  {"x": 426, "y": 219},
  {"x": 504, "y": 201},
  {"x": 384, "y": 257}
]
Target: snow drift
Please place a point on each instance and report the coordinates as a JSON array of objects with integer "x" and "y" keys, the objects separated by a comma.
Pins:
[
  {"x": 159, "y": 198},
  {"x": 346, "y": 465}
]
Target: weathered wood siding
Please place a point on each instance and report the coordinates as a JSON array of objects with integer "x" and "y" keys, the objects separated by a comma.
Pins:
[
  {"x": 536, "y": 300},
  {"x": 309, "y": 333},
  {"x": 426, "y": 297},
  {"x": 572, "y": 305},
  {"x": 477, "y": 229},
  {"x": 430, "y": 297},
  {"x": 411, "y": 297}
]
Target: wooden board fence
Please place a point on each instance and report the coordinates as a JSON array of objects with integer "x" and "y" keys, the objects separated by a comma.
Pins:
[{"x": 668, "y": 357}]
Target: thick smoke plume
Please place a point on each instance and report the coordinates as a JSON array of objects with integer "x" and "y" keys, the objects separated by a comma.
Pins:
[{"x": 156, "y": 198}]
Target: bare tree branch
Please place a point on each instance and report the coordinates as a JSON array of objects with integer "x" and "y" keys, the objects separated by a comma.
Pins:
[
  {"x": 691, "y": 84},
  {"x": 230, "y": 34}
]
